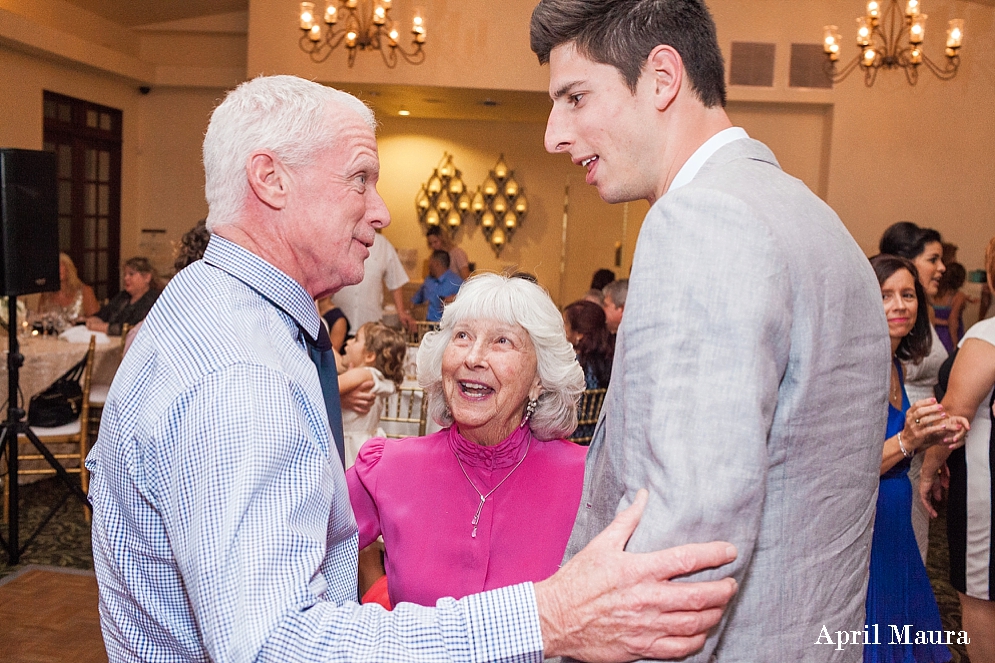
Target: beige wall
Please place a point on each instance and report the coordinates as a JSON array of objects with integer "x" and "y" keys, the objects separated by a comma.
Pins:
[
  {"x": 409, "y": 151},
  {"x": 23, "y": 79},
  {"x": 897, "y": 152},
  {"x": 171, "y": 179},
  {"x": 891, "y": 152},
  {"x": 894, "y": 152},
  {"x": 470, "y": 43}
]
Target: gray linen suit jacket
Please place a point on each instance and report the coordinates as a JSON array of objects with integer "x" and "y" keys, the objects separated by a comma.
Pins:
[{"x": 749, "y": 396}]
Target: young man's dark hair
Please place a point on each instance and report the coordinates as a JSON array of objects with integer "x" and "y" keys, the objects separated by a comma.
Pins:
[
  {"x": 442, "y": 257},
  {"x": 621, "y": 33},
  {"x": 601, "y": 278}
]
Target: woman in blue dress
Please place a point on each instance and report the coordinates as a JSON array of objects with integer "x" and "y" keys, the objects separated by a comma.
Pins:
[{"x": 898, "y": 592}]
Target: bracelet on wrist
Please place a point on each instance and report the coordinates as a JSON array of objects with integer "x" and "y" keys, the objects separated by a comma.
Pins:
[{"x": 905, "y": 452}]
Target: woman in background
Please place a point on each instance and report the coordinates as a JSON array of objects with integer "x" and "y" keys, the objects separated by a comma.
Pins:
[
  {"x": 335, "y": 321},
  {"x": 585, "y": 327},
  {"x": 898, "y": 589},
  {"x": 73, "y": 301},
  {"x": 923, "y": 247},
  {"x": 970, "y": 513},
  {"x": 133, "y": 303},
  {"x": 948, "y": 306}
]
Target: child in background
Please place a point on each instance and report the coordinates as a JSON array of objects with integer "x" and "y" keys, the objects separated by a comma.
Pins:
[
  {"x": 948, "y": 306},
  {"x": 376, "y": 352}
]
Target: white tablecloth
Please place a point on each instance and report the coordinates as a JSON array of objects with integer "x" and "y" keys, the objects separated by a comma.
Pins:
[{"x": 46, "y": 358}]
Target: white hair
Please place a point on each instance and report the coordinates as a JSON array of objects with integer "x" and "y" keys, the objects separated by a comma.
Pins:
[
  {"x": 284, "y": 114},
  {"x": 516, "y": 301}
]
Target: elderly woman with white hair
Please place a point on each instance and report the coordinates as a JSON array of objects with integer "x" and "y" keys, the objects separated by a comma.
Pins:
[{"x": 489, "y": 500}]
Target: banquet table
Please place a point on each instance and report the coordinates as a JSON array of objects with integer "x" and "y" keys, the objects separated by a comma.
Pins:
[
  {"x": 45, "y": 359},
  {"x": 48, "y": 357}
]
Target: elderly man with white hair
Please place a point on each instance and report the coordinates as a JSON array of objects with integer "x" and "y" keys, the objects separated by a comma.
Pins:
[{"x": 222, "y": 528}]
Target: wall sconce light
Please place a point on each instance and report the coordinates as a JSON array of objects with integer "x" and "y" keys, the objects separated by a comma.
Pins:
[
  {"x": 499, "y": 205},
  {"x": 444, "y": 201}
]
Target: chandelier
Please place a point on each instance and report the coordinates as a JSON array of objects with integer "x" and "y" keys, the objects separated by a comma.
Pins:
[
  {"x": 364, "y": 25},
  {"x": 891, "y": 38}
]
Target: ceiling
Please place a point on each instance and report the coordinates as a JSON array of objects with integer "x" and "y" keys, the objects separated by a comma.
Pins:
[
  {"x": 452, "y": 103},
  {"x": 143, "y": 12},
  {"x": 386, "y": 100}
]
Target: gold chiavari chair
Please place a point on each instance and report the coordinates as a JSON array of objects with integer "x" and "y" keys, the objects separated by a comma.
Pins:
[
  {"x": 588, "y": 411},
  {"x": 67, "y": 443},
  {"x": 405, "y": 413}
]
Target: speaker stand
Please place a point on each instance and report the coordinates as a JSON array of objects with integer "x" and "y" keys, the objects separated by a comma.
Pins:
[{"x": 10, "y": 430}]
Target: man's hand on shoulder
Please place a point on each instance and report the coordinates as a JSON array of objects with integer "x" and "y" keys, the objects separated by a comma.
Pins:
[
  {"x": 360, "y": 399},
  {"x": 609, "y": 605}
]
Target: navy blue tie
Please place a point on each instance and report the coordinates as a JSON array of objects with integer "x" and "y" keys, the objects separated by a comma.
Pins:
[{"x": 321, "y": 351}]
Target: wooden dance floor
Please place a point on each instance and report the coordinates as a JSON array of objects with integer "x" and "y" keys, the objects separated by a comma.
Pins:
[{"x": 49, "y": 615}]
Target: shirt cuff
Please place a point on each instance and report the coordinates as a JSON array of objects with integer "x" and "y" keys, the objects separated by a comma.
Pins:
[{"x": 504, "y": 624}]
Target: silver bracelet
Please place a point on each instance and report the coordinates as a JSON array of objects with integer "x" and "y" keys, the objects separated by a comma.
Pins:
[{"x": 901, "y": 446}]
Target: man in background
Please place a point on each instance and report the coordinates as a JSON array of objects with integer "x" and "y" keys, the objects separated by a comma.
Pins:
[
  {"x": 363, "y": 302},
  {"x": 742, "y": 394},
  {"x": 614, "y": 295},
  {"x": 459, "y": 262},
  {"x": 440, "y": 286}
]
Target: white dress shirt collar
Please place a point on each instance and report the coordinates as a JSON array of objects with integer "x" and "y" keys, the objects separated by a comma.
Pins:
[{"x": 704, "y": 153}]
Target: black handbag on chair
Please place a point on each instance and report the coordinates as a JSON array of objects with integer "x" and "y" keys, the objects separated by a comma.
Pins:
[{"x": 61, "y": 402}]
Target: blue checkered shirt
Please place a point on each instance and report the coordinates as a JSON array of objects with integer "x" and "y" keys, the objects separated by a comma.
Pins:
[{"x": 222, "y": 529}]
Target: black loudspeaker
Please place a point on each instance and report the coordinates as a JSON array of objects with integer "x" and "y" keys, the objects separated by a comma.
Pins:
[{"x": 29, "y": 227}]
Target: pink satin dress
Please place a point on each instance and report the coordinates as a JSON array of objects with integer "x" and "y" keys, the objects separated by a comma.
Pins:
[{"x": 413, "y": 492}]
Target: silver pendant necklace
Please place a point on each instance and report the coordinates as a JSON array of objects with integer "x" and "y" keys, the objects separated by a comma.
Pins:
[{"x": 483, "y": 498}]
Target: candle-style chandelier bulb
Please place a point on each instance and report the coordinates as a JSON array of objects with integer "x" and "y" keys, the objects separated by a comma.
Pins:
[
  {"x": 955, "y": 33},
  {"x": 478, "y": 202},
  {"x": 521, "y": 205},
  {"x": 489, "y": 187},
  {"x": 864, "y": 31},
  {"x": 444, "y": 203},
  {"x": 307, "y": 16},
  {"x": 445, "y": 167},
  {"x": 434, "y": 184},
  {"x": 421, "y": 200},
  {"x": 917, "y": 31},
  {"x": 501, "y": 169},
  {"x": 873, "y": 10}
]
